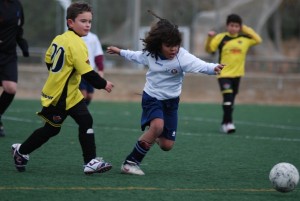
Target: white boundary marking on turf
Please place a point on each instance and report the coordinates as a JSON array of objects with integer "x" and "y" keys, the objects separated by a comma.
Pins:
[
  {"x": 133, "y": 188},
  {"x": 247, "y": 137},
  {"x": 188, "y": 133},
  {"x": 259, "y": 124}
]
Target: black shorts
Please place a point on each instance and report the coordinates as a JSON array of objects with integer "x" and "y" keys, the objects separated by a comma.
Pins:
[
  {"x": 56, "y": 116},
  {"x": 229, "y": 85},
  {"x": 8, "y": 68}
]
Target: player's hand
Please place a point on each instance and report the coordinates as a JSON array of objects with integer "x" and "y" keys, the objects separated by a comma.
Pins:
[
  {"x": 211, "y": 33},
  {"x": 113, "y": 50},
  {"x": 219, "y": 68},
  {"x": 109, "y": 86}
]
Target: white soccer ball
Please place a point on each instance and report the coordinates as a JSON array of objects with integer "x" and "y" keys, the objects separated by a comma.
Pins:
[{"x": 284, "y": 177}]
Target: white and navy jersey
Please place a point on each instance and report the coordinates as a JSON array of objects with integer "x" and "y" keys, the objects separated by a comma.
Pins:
[
  {"x": 164, "y": 77},
  {"x": 94, "y": 47}
]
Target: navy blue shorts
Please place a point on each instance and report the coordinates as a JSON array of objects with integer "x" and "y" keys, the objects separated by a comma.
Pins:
[
  {"x": 84, "y": 85},
  {"x": 162, "y": 109}
]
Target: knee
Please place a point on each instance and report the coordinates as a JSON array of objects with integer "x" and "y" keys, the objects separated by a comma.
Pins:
[
  {"x": 85, "y": 124},
  {"x": 166, "y": 148},
  {"x": 54, "y": 130},
  {"x": 157, "y": 128},
  {"x": 50, "y": 131},
  {"x": 165, "y": 145},
  {"x": 9, "y": 87}
]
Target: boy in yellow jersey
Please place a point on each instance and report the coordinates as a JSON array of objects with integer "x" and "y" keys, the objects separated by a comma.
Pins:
[
  {"x": 67, "y": 60},
  {"x": 233, "y": 46}
]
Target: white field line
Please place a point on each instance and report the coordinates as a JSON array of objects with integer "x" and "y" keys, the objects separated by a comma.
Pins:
[
  {"x": 192, "y": 134},
  {"x": 134, "y": 188},
  {"x": 257, "y": 124}
]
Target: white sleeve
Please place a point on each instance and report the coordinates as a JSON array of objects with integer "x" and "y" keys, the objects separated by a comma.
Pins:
[
  {"x": 135, "y": 56},
  {"x": 192, "y": 64},
  {"x": 98, "y": 47}
]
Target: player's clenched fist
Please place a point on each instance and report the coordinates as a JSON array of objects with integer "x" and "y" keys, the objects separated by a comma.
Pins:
[{"x": 109, "y": 86}]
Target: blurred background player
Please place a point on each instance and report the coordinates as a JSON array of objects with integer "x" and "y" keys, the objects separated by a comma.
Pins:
[
  {"x": 96, "y": 61},
  {"x": 233, "y": 46},
  {"x": 11, "y": 34}
]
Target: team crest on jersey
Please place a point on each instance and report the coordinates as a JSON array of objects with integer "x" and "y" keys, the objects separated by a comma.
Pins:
[
  {"x": 226, "y": 86},
  {"x": 174, "y": 71},
  {"x": 87, "y": 61},
  {"x": 56, "y": 118},
  {"x": 236, "y": 51}
]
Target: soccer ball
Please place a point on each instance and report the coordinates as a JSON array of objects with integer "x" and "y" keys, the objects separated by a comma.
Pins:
[{"x": 284, "y": 177}]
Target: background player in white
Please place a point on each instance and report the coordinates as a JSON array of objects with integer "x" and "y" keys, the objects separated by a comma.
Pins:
[
  {"x": 96, "y": 59},
  {"x": 167, "y": 64}
]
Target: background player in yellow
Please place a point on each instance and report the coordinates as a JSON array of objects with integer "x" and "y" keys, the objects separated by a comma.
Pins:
[
  {"x": 233, "y": 46},
  {"x": 67, "y": 60}
]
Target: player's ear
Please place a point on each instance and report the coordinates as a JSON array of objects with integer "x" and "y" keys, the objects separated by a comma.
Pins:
[{"x": 70, "y": 23}]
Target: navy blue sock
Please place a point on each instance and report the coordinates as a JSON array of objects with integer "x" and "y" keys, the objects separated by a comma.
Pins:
[{"x": 139, "y": 151}]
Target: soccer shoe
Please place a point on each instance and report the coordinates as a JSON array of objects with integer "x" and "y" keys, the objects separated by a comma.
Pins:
[
  {"x": 130, "y": 167},
  {"x": 20, "y": 160},
  {"x": 2, "y": 134},
  {"x": 97, "y": 165},
  {"x": 228, "y": 128}
]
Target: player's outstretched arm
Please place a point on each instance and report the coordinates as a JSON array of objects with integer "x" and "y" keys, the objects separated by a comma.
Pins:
[
  {"x": 113, "y": 50},
  {"x": 97, "y": 82},
  {"x": 219, "y": 68}
]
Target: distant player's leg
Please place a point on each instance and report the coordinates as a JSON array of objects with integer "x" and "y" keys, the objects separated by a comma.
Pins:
[
  {"x": 226, "y": 87},
  {"x": 90, "y": 93},
  {"x": 235, "y": 87},
  {"x": 87, "y": 91},
  {"x": 86, "y": 136},
  {"x": 5, "y": 100},
  {"x": 9, "y": 78}
]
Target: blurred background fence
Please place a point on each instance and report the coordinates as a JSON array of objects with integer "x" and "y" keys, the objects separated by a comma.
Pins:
[{"x": 123, "y": 23}]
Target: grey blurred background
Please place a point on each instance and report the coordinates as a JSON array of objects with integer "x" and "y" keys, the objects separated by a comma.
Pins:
[
  {"x": 123, "y": 22},
  {"x": 272, "y": 68}
]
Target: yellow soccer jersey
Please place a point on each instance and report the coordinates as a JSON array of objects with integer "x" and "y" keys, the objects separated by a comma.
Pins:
[
  {"x": 68, "y": 56},
  {"x": 233, "y": 50}
]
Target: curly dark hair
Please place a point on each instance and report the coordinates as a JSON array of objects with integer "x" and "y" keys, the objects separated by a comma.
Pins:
[{"x": 161, "y": 32}]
